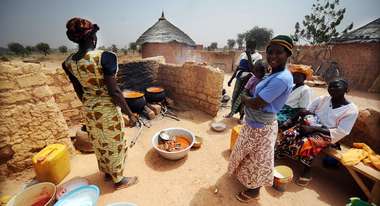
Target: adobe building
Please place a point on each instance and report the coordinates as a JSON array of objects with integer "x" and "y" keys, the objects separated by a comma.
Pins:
[
  {"x": 165, "y": 39},
  {"x": 356, "y": 53}
]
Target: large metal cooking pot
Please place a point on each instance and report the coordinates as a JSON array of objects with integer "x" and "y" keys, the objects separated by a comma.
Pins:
[
  {"x": 155, "y": 94},
  {"x": 135, "y": 100}
]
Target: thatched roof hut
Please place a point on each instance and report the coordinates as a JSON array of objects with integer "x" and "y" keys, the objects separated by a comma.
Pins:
[{"x": 164, "y": 32}]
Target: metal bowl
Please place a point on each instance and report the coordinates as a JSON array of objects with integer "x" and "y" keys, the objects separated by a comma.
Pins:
[
  {"x": 218, "y": 126},
  {"x": 175, "y": 155}
]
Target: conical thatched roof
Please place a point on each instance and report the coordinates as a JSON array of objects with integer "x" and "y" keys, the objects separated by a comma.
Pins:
[
  {"x": 366, "y": 33},
  {"x": 164, "y": 32}
]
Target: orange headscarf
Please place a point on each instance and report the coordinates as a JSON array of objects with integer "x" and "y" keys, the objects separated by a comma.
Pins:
[{"x": 300, "y": 68}]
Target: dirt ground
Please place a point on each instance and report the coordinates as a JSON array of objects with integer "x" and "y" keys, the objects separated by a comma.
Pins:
[{"x": 193, "y": 180}]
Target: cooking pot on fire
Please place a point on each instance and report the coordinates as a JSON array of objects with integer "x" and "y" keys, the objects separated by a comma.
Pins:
[
  {"x": 155, "y": 94},
  {"x": 135, "y": 100}
]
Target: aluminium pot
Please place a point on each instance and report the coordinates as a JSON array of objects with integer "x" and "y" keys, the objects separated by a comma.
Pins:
[
  {"x": 155, "y": 94},
  {"x": 135, "y": 100}
]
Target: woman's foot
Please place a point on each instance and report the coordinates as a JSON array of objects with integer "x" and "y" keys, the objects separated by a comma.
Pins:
[
  {"x": 126, "y": 182},
  {"x": 305, "y": 177},
  {"x": 248, "y": 196},
  {"x": 303, "y": 181}
]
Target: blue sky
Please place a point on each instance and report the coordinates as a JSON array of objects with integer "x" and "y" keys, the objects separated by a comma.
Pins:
[{"x": 123, "y": 21}]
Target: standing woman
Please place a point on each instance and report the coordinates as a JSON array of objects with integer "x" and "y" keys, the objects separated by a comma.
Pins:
[
  {"x": 92, "y": 73},
  {"x": 252, "y": 159}
]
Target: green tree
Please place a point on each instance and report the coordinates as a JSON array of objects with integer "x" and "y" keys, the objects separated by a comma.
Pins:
[
  {"x": 240, "y": 40},
  {"x": 17, "y": 48},
  {"x": 124, "y": 50},
  {"x": 213, "y": 46},
  {"x": 114, "y": 48},
  {"x": 231, "y": 43},
  {"x": 29, "y": 49},
  {"x": 43, "y": 47},
  {"x": 62, "y": 49},
  {"x": 261, "y": 35},
  {"x": 321, "y": 25},
  {"x": 133, "y": 46}
]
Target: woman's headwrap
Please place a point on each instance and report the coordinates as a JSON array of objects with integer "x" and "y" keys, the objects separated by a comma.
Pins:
[
  {"x": 284, "y": 41},
  {"x": 79, "y": 29},
  {"x": 300, "y": 68}
]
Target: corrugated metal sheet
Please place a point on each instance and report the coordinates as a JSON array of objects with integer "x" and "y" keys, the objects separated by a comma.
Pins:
[{"x": 364, "y": 34}]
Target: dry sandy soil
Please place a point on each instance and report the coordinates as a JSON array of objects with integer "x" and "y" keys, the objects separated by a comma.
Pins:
[{"x": 193, "y": 180}]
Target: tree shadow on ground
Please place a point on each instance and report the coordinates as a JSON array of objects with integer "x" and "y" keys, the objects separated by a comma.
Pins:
[
  {"x": 98, "y": 180},
  {"x": 326, "y": 182},
  {"x": 226, "y": 154},
  {"x": 222, "y": 193},
  {"x": 195, "y": 116},
  {"x": 229, "y": 122},
  {"x": 158, "y": 163}
]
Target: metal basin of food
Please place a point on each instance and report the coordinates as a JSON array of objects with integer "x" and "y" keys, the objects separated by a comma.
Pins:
[{"x": 174, "y": 155}]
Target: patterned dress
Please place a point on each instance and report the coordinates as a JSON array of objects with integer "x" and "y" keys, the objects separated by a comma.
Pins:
[
  {"x": 104, "y": 119},
  {"x": 252, "y": 159}
]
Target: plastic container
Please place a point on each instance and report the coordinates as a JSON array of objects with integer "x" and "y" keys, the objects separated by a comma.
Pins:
[
  {"x": 234, "y": 135},
  {"x": 52, "y": 164},
  {"x": 44, "y": 193},
  {"x": 70, "y": 185},
  {"x": 83, "y": 196},
  {"x": 282, "y": 176}
]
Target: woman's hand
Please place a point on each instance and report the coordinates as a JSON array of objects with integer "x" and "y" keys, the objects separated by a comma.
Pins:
[
  {"x": 244, "y": 98},
  {"x": 132, "y": 120},
  {"x": 229, "y": 82}
]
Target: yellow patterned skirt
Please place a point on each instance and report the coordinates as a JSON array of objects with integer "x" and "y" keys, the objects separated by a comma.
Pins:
[{"x": 105, "y": 125}]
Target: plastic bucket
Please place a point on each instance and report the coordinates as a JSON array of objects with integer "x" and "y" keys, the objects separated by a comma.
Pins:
[
  {"x": 42, "y": 192},
  {"x": 282, "y": 176}
]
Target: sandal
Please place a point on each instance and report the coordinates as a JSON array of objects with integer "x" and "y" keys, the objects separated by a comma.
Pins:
[
  {"x": 303, "y": 181},
  {"x": 126, "y": 182},
  {"x": 245, "y": 198}
]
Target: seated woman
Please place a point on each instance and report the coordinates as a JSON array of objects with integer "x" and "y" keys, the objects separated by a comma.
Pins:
[
  {"x": 300, "y": 97},
  {"x": 327, "y": 120}
]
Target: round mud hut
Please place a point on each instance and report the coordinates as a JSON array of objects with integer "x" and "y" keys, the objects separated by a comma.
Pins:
[{"x": 165, "y": 39}]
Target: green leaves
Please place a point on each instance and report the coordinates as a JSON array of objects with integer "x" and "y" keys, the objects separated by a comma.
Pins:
[{"x": 320, "y": 25}]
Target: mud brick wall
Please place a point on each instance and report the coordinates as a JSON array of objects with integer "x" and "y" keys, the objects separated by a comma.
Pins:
[
  {"x": 223, "y": 60},
  {"x": 64, "y": 95},
  {"x": 359, "y": 62},
  {"x": 174, "y": 53},
  {"x": 194, "y": 84},
  {"x": 30, "y": 118}
]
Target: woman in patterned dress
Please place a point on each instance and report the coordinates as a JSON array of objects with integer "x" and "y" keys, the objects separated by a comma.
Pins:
[
  {"x": 327, "y": 120},
  {"x": 92, "y": 73},
  {"x": 252, "y": 159}
]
